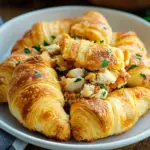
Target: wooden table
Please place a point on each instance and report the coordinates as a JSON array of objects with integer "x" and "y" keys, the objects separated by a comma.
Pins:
[{"x": 9, "y": 12}]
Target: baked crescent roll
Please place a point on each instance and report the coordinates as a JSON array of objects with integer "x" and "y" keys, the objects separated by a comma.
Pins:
[
  {"x": 7, "y": 67},
  {"x": 91, "y": 55},
  {"x": 131, "y": 45},
  {"x": 43, "y": 32},
  {"x": 139, "y": 76},
  {"x": 36, "y": 100},
  {"x": 93, "y": 26},
  {"x": 94, "y": 119}
]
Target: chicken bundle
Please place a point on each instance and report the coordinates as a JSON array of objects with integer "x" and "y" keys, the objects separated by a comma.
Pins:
[{"x": 71, "y": 77}]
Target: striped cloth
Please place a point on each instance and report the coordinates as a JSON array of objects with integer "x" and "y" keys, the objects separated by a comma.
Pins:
[{"x": 9, "y": 142}]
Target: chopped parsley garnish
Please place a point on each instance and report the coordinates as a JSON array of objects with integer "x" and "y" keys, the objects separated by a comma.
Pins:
[
  {"x": 45, "y": 43},
  {"x": 109, "y": 50},
  {"x": 18, "y": 62},
  {"x": 104, "y": 28},
  {"x": 101, "y": 41},
  {"x": 95, "y": 41},
  {"x": 143, "y": 75},
  {"x": 37, "y": 74},
  {"x": 102, "y": 86},
  {"x": 138, "y": 56},
  {"x": 132, "y": 67},
  {"x": 104, "y": 63},
  {"x": 104, "y": 93},
  {"x": 142, "y": 49},
  {"x": 74, "y": 37},
  {"x": 38, "y": 48},
  {"x": 121, "y": 87},
  {"x": 26, "y": 51},
  {"x": 78, "y": 79},
  {"x": 53, "y": 36}
]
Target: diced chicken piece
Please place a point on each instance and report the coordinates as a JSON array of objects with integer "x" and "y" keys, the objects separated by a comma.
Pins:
[
  {"x": 74, "y": 73},
  {"x": 102, "y": 93},
  {"x": 52, "y": 49},
  {"x": 72, "y": 84},
  {"x": 90, "y": 77},
  {"x": 107, "y": 77},
  {"x": 87, "y": 90}
]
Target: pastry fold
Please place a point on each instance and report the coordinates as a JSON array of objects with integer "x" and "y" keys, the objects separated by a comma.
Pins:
[
  {"x": 92, "y": 26},
  {"x": 7, "y": 67},
  {"x": 90, "y": 55},
  {"x": 133, "y": 48},
  {"x": 43, "y": 31},
  {"x": 36, "y": 100},
  {"x": 94, "y": 119}
]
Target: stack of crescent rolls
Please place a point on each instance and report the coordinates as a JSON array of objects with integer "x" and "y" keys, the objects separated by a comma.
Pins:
[{"x": 30, "y": 79}]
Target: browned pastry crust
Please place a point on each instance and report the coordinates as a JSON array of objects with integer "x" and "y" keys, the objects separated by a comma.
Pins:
[
  {"x": 91, "y": 55},
  {"x": 7, "y": 67},
  {"x": 94, "y": 119},
  {"x": 36, "y": 100}
]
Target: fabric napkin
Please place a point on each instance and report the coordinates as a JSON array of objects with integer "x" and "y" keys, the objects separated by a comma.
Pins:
[{"x": 9, "y": 142}]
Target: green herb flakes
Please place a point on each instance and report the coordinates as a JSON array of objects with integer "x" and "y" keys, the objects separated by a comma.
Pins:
[
  {"x": 78, "y": 79},
  {"x": 53, "y": 36},
  {"x": 18, "y": 62},
  {"x": 38, "y": 48},
  {"x": 132, "y": 67},
  {"x": 104, "y": 93},
  {"x": 45, "y": 43},
  {"x": 74, "y": 37},
  {"x": 101, "y": 41},
  {"x": 138, "y": 56},
  {"x": 104, "y": 63},
  {"x": 95, "y": 41},
  {"x": 121, "y": 87},
  {"x": 142, "y": 75},
  {"x": 142, "y": 49},
  {"x": 37, "y": 74},
  {"x": 26, "y": 51},
  {"x": 109, "y": 50},
  {"x": 102, "y": 86}
]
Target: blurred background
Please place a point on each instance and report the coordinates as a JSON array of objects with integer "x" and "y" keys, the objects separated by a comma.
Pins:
[{"x": 12, "y": 8}]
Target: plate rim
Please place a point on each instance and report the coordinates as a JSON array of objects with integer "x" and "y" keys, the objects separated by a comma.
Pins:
[{"x": 53, "y": 144}]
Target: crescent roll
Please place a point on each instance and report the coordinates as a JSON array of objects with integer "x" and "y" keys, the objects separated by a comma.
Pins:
[
  {"x": 92, "y": 26},
  {"x": 139, "y": 76},
  {"x": 133, "y": 48},
  {"x": 36, "y": 100},
  {"x": 7, "y": 67},
  {"x": 90, "y": 55},
  {"x": 94, "y": 119},
  {"x": 43, "y": 32}
]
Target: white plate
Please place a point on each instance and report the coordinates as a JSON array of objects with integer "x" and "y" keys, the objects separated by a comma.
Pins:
[{"x": 120, "y": 21}]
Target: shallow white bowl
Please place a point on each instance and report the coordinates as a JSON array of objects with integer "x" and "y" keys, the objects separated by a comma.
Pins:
[{"x": 120, "y": 21}]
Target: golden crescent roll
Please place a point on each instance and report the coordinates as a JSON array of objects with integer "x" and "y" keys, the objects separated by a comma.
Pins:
[
  {"x": 7, "y": 67},
  {"x": 139, "y": 76},
  {"x": 43, "y": 32},
  {"x": 91, "y": 55},
  {"x": 94, "y": 119},
  {"x": 93, "y": 26},
  {"x": 36, "y": 100},
  {"x": 131, "y": 45}
]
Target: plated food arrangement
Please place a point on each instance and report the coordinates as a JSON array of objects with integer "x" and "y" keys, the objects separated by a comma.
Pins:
[{"x": 71, "y": 77}]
